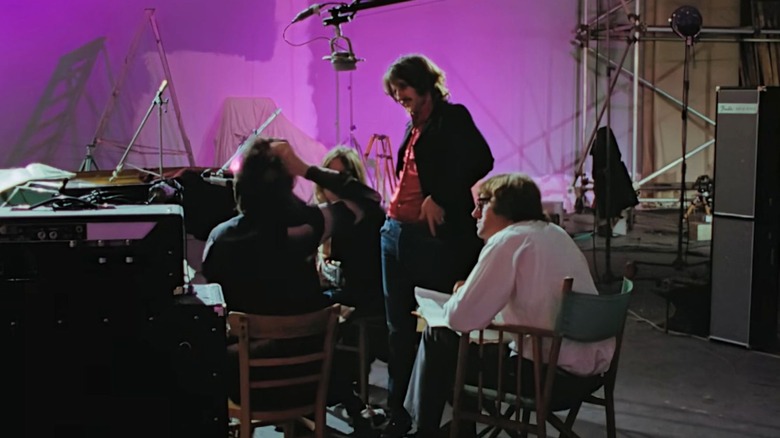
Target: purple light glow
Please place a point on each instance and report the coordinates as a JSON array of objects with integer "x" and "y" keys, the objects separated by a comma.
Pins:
[{"x": 510, "y": 62}]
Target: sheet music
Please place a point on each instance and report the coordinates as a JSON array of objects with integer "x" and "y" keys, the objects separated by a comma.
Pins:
[{"x": 431, "y": 307}]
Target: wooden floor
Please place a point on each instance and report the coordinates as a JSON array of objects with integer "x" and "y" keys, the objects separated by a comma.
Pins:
[{"x": 675, "y": 384}]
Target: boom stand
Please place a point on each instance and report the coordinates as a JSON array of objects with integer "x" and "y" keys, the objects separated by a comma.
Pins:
[{"x": 158, "y": 101}]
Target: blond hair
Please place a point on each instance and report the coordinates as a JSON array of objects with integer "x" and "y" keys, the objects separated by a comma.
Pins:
[
  {"x": 353, "y": 167},
  {"x": 514, "y": 196}
]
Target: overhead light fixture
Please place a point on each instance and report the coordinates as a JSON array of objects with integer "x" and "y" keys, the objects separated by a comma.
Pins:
[
  {"x": 342, "y": 58},
  {"x": 686, "y": 22}
]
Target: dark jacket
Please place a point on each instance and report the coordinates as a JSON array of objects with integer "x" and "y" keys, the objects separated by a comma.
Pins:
[
  {"x": 359, "y": 252},
  {"x": 263, "y": 266},
  {"x": 452, "y": 156}
]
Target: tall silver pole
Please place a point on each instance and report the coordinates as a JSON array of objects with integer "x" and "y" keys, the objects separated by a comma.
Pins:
[
  {"x": 160, "y": 129},
  {"x": 635, "y": 96},
  {"x": 584, "y": 80}
]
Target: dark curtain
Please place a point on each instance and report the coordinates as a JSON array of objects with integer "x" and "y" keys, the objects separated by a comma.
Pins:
[{"x": 760, "y": 62}]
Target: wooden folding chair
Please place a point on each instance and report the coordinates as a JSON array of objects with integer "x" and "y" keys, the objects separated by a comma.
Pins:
[
  {"x": 497, "y": 387},
  {"x": 583, "y": 318},
  {"x": 260, "y": 328},
  {"x": 575, "y": 324}
]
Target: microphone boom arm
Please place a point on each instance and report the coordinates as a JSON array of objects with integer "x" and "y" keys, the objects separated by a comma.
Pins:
[
  {"x": 358, "y": 5},
  {"x": 345, "y": 12}
]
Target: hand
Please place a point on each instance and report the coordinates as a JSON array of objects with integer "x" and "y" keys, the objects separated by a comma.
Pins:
[
  {"x": 457, "y": 286},
  {"x": 431, "y": 213},
  {"x": 291, "y": 161}
]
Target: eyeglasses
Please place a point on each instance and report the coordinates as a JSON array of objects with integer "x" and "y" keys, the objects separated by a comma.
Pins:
[{"x": 482, "y": 201}]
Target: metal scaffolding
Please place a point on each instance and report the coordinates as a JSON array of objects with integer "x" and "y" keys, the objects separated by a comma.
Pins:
[{"x": 622, "y": 23}]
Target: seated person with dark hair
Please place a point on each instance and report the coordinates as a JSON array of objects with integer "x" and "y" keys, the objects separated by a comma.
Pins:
[
  {"x": 262, "y": 257},
  {"x": 518, "y": 276}
]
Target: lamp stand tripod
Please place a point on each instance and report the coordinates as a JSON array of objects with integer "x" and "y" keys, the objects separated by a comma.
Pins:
[{"x": 89, "y": 164}]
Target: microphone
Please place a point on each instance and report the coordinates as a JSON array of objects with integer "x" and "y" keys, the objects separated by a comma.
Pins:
[
  {"x": 162, "y": 87},
  {"x": 308, "y": 12}
]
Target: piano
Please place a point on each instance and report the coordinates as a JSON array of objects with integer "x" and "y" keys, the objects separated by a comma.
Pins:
[{"x": 206, "y": 200}]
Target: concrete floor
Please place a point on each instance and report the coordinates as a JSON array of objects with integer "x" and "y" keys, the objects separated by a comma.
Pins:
[{"x": 675, "y": 384}]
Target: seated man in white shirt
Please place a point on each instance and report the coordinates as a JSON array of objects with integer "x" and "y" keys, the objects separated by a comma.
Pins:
[{"x": 518, "y": 276}]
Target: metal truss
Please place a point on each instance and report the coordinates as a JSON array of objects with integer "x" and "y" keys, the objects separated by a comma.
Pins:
[{"x": 622, "y": 22}]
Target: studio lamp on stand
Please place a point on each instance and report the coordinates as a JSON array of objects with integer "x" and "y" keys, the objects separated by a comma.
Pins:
[
  {"x": 685, "y": 22},
  {"x": 341, "y": 55},
  {"x": 342, "y": 58}
]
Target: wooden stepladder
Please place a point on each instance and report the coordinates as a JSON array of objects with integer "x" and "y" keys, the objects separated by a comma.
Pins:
[{"x": 382, "y": 165}]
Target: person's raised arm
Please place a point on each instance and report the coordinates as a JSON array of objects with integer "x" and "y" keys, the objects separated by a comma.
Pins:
[
  {"x": 355, "y": 196},
  {"x": 343, "y": 185}
]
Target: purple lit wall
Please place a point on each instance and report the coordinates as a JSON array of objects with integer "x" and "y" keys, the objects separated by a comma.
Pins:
[{"x": 509, "y": 61}]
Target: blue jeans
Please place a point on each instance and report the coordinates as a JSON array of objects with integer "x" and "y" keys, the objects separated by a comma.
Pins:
[{"x": 412, "y": 257}]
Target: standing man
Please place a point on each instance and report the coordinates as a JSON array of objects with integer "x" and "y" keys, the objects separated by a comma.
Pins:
[{"x": 428, "y": 238}]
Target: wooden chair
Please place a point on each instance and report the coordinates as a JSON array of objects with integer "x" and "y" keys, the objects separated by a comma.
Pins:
[
  {"x": 363, "y": 324},
  {"x": 492, "y": 393},
  {"x": 583, "y": 318},
  {"x": 259, "y": 328},
  {"x": 613, "y": 310}
]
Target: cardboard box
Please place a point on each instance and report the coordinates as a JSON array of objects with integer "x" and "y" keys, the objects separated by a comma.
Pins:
[
  {"x": 700, "y": 231},
  {"x": 554, "y": 209}
]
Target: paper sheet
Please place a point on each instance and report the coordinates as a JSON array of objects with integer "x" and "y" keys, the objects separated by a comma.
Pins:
[{"x": 431, "y": 307}]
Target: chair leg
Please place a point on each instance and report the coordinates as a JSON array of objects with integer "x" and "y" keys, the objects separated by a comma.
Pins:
[
  {"x": 561, "y": 427},
  {"x": 454, "y": 426},
  {"x": 508, "y": 413},
  {"x": 571, "y": 417},
  {"x": 245, "y": 430},
  {"x": 320, "y": 425},
  {"x": 541, "y": 426},
  {"x": 526, "y": 420},
  {"x": 288, "y": 429},
  {"x": 495, "y": 431},
  {"x": 609, "y": 405}
]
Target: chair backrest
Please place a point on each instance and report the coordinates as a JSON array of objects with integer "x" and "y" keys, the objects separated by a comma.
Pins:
[
  {"x": 592, "y": 318},
  {"x": 253, "y": 329},
  {"x": 492, "y": 389}
]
